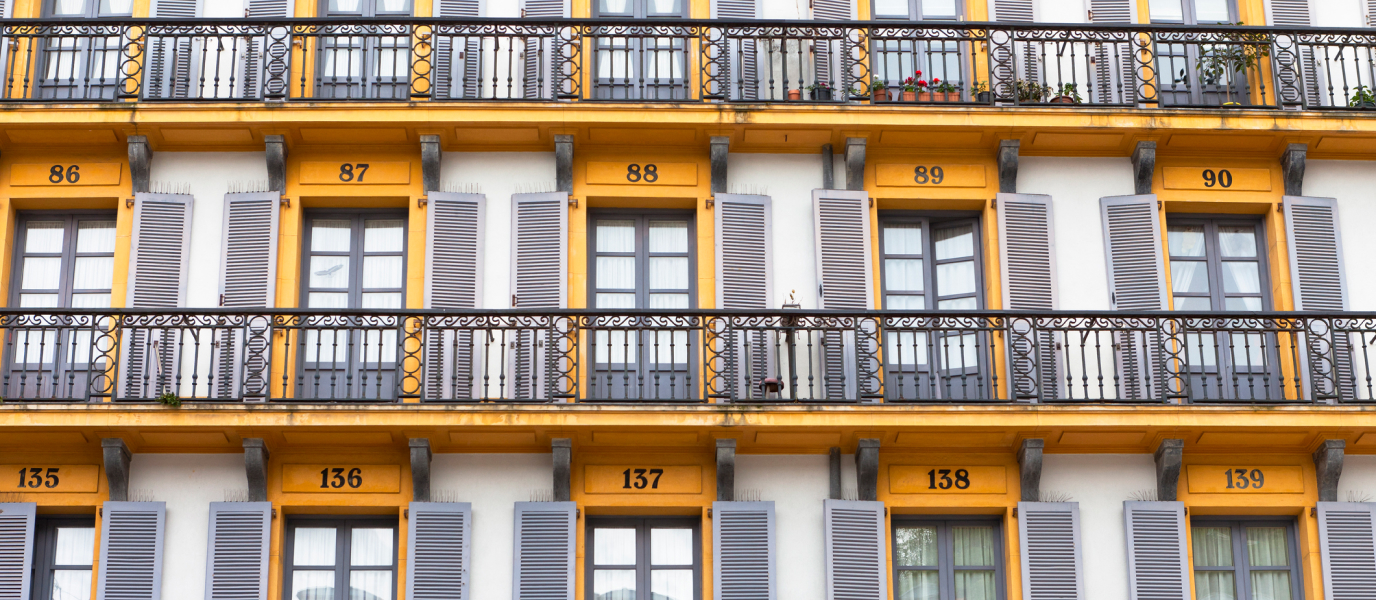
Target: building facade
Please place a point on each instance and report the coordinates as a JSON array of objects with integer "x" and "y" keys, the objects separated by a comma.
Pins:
[{"x": 687, "y": 300}]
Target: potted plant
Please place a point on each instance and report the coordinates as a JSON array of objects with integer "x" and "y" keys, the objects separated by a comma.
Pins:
[
  {"x": 819, "y": 91},
  {"x": 941, "y": 91},
  {"x": 1067, "y": 95},
  {"x": 1236, "y": 53},
  {"x": 878, "y": 90},
  {"x": 911, "y": 86},
  {"x": 795, "y": 95},
  {"x": 980, "y": 90},
  {"x": 1362, "y": 98},
  {"x": 1030, "y": 91}
]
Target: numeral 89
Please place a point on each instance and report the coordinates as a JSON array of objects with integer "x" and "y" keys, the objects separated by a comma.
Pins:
[{"x": 933, "y": 176}]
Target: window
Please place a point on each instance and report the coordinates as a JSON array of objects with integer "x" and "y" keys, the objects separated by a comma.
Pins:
[
  {"x": 653, "y": 558},
  {"x": 79, "y": 66},
  {"x": 64, "y": 549},
  {"x": 88, "y": 9},
  {"x": 366, "y": 8},
  {"x": 370, "y": 61},
  {"x": 919, "y": 10},
  {"x": 1193, "y": 12},
  {"x": 1245, "y": 559},
  {"x": 328, "y": 554},
  {"x": 947, "y": 560},
  {"x": 1189, "y": 77},
  {"x": 899, "y": 59},
  {"x": 641, "y": 68}
]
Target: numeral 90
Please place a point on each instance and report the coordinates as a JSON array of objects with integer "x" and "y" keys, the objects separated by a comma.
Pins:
[{"x": 1222, "y": 179}]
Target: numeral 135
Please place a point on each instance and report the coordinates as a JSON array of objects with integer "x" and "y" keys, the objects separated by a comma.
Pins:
[{"x": 36, "y": 477}]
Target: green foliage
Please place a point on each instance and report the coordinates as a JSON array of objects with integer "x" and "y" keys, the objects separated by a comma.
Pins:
[
  {"x": 170, "y": 399},
  {"x": 1362, "y": 97}
]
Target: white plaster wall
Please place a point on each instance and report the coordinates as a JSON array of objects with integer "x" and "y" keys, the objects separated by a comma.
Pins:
[
  {"x": 1100, "y": 483},
  {"x": 1353, "y": 183},
  {"x": 796, "y": 484},
  {"x": 1358, "y": 482},
  {"x": 789, "y": 180},
  {"x": 1075, "y": 185},
  {"x": 209, "y": 175},
  {"x": 498, "y": 175},
  {"x": 188, "y": 483},
  {"x": 493, "y": 483}
]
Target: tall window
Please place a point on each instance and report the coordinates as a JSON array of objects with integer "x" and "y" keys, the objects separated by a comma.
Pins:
[
  {"x": 357, "y": 554},
  {"x": 1245, "y": 559},
  {"x": 365, "y": 62},
  {"x": 77, "y": 65},
  {"x": 641, "y": 68},
  {"x": 638, "y": 261},
  {"x": 651, "y": 558},
  {"x": 1198, "y": 74},
  {"x": 947, "y": 560},
  {"x": 900, "y": 59},
  {"x": 64, "y": 550}
]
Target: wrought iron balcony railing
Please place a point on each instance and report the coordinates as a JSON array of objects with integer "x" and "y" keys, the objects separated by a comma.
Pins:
[
  {"x": 960, "y": 63},
  {"x": 773, "y": 357}
]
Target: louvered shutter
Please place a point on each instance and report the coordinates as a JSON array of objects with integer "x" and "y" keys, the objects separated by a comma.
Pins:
[
  {"x": 16, "y": 549},
  {"x": 468, "y": 84},
  {"x": 1347, "y": 547},
  {"x": 1320, "y": 284},
  {"x": 1157, "y": 567},
  {"x": 745, "y": 282},
  {"x": 743, "y": 547},
  {"x": 854, "y": 543},
  {"x": 828, "y": 51},
  {"x": 1137, "y": 281},
  {"x": 744, "y": 82},
  {"x": 1027, "y": 257},
  {"x": 1016, "y": 11},
  {"x": 1371, "y": 13},
  {"x": 253, "y": 59},
  {"x": 157, "y": 279},
  {"x": 539, "y": 267},
  {"x": 543, "y": 563},
  {"x": 248, "y": 279},
  {"x": 1110, "y": 86},
  {"x": 131, "y": 535},
  {"x": 454, "y": 226},
  {"x": 1050, "y": 536},
  {"x": 540, "y": 57},
  {"x": 169, "y": 63},
  {"x": 236, "y": 564},
  {"x": 439, "y": 551},
  {"x": 841, "y": 230},
  {"x": 1295, "y": 13}
]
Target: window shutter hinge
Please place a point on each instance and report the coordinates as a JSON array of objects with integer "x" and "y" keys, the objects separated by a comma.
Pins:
[
  {"x": 128, "y": 203},
  {"x": 222, "y": 299},
  {"x": 819, "y": 290},
  {"x": 994, "y": 203},
  {"x": 100, "y": 512},
  {"x": 709, "y": 513},
  {"x": 711, "y": 202},
  {"x": 274, "y": 513},
  {"x": 513, "y": 300},
  {"x": 422, "y": 201},
  {"x": 285, "y": 202},
  {"x": 405, "y": 513},
  {"x": 1313, "y": 511},
  {"x": 573, "y": 202},
  {"x": 1015, "y": 512},
  {"x": 1090, "y": 15},
  {"x": 871, "y": 202}
]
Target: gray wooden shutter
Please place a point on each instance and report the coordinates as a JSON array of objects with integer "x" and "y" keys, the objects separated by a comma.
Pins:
[
  {"x": 745, "y": 281},
  {"x": 1016, "y": 11},
  {"x": 1027, "y": 257},
  {"x": 469, "y": 86},
  {"x": 1137, "y": 281},
  {"x": 539, "y": 271},
  {"x": 540, "y": 57},
  {"x": 1295, "y": 13},
  {"x": 1050, "y": 536},
  {"x": 743, "y": 547},
  {"x": 1317, "y": 273},
  {"x": 1157, "y": 568},
  {"x": 841, "y": 232},
  {"x": 170, "y": 61},
  {"x": 543, "y": 562},
  {"x": 16, "y": 549},
  {"x": 1371, "y": 13},
  {"x": 1347, "y": 548},
  {"x": 828, "y": 51},
  {"x": 248, "y": 279},
  {"x": 744, "y": 83},
  {"x": 236, "y": 564},
  {"x": 1111, "y": 87},
  {"x": 454, "y": 226},
  {"x": 439, "y": 551},
  {"x": 131, "y": 535},
  {"x": 253, "y": 54},
  {"x": 855, "y": 546},
  {"x": 158, "y": 263}
]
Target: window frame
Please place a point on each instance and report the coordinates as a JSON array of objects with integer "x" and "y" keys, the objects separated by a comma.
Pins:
[
  {"x": 45, "y": 551},
  {"x": 931, "y": 220},
  {"x": 92, "y": 11},
  {"x": 367, "y": 9},
  {"x": 344, "y": 526},
  {"x": 1241, "y": 569},
  {"x": 1190, "y": 12},
  {"x": 71, "y": 221},
  {"x": 639, "y": 10},
  {"x": 356, "y": 253},
  {"x": 642, "y": 568},
  {"x": 915, "y": 13},
  {"x": 946, "y": 551},
  {"x": 642, "y": 252},
  {"x": 1214, "y": 260}
]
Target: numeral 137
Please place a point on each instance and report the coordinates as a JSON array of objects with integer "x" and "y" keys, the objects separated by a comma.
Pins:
[{"x": 641, "y": 481}]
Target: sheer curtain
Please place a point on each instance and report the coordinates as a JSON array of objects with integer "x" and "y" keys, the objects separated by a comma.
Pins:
[
  {"x": 974, "y": 547},
  {"x": 1213, "y": 547},
  {"x": 916, "y": 547},
  {"x": 1267, "y": 547}
]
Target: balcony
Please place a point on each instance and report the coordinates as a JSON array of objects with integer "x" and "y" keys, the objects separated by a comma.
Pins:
[
  {"x": 965, "y": 64},
  {"x": 687, "y": 357}
]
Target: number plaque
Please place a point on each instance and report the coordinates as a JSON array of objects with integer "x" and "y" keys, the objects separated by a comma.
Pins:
[
  {"x": 1217, "y": 179},
  {"x": 930, "y": 175},
  {"x": 947, "y": 479},
  {"x": 355, "y": 172},
  {"x": 65, "y": 174},
  {"x": 344, "y": 478},
  {"x": 642, "y": 479},
  {"x": 43, "y": 478},
  {"x": 1239, "y": 479},
  {"x": 642, "y": 172}
]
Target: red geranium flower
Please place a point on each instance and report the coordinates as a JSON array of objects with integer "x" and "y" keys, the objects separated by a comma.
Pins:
[{"x": 922, "y": 83}]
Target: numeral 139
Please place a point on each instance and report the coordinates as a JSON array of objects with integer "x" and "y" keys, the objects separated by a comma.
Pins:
[
  {"x": 1245, "y": 479},
  {"x": 640, "y": 481},
  {"x": 36, "y": 477}
]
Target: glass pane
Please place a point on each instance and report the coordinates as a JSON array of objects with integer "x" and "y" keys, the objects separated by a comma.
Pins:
[
  {"x": 346, "y": 5},
  {"x": 313, "y": 547},
  {"x": 1242, "y": 303},
  {"x": 394, "y": 6},
  {"x": 44, "y": 237},
  {"x": 903, "y": 274},
  {"x": 38, "y": 301},
  {"x": 915, "y": 546},
  {"x": 72, "y": 585},
  {"x": 668, "y": 301},
  {"x": 669, "y": 273},
  {"x": 370, "y": 585},
  {"x": 664, "y": 7},
  {"x": 1166, "y": 10},
  {"x": 892, "y": 9},
  {"x": 616, "y": 272},
  {"x": 616, "y": 236},
  {"x": 905, "y": 302},
  {"x": 330, "y": 272},
  {"x": 613, "y": 546},
  {"x": 918, "y": 585},
  {"x": 1211, "y": 11},
  {"x": 64, "y": 8},
  {"x": 1236, "y": 241},
  {"x": 1189, "y": 276},
  {"x": 382, "y": 235},
  {"x": 954, "y": 242},
  {"x": 312, "y": 585},
  {"x": 615, "y": 6},
  {"x": 613, "y": 585},
  {"x": 1270, "y": 585},
  {"x": 1193, "y": 304},
  {"x": 41, "y": 273},
  {"x": 382, "y": 272},
  {"x": 975, "y": 585},
  {"x": 1214, "y": 585},
  {"x": 955, "y": 278},
  {"x": 327, "y": 300},
  {"x": 1185, "y": 240},
  {"x": 1241, "y": 277},
  {"x": 1213, "y": 546},
  {"x": 671, "y": 547},
  {"x": 903, "y": 238},
  {"x": 330, "y": 235},
  {"x": 116, "y": 7},
  {"x": 671, "y": 585},
  {"x": 90, "y": 300},
  {"x": 936, "y": 9},
  {"x": 668, "y": 236},
  {"x": 95, "y": 236},
  {"x": 973, "y": 546},
  {"x": 370, "y": 547},
  {"x": 1266, "y": 547},
  {"x": 75, "y": 546},
  {"x": 94, "y": 273},
  {"x": 615, "y": 300},
  {"x": 958, "y": 304},
  {"x": 382, "y": 300}
]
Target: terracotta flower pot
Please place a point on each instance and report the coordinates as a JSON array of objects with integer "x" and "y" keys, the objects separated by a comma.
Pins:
[
  {"x": 939, "y": 97},
  {"x": 795, "y": 95},
  {"x": 1063, "y": 100},
  {"x": 909, "y": 96}
]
